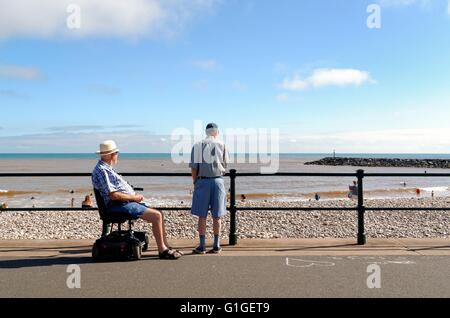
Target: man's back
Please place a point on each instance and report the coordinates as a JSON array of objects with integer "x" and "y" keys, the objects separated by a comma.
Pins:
[{"x": 210, "y": 158}]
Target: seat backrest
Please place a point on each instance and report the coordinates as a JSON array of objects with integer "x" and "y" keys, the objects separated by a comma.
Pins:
[{"x": 100, "y": 203}]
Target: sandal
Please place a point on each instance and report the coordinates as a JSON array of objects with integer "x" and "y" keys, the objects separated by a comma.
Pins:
[
  {"x": 178, "y": 251},
  {"x": 169, "y": 254}
]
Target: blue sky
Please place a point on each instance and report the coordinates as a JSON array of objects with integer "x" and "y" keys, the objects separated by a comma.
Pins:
[{"x": 313, "y": 69}]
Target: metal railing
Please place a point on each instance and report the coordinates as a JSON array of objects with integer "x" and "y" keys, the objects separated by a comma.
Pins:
[{"x": 360, "y": 208}]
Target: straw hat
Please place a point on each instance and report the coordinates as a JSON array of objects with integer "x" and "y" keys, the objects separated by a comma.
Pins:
[{"x": 107, "y": 147}]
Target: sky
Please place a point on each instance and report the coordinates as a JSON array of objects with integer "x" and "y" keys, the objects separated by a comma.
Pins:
[{"x": 135, "y": 71}]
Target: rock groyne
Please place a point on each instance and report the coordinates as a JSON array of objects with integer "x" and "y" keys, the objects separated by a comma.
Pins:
[{"x": 382, "y": 162}]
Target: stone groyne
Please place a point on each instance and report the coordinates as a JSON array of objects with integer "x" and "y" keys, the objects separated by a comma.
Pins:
[{"x": 382, "y": 162}]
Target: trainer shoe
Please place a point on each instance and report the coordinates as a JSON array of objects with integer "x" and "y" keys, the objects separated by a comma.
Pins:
[
  {"x": 198, "y": 250},
  {"x": 215, "y": 250}
]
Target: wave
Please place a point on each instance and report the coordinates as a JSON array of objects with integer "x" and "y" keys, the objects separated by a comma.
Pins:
[
  {"x": 384, "y": 193},
  {"x": 83, "y": 191},
  {"x": 7, "y": 193},
  {"x": 435, "y": 189}
]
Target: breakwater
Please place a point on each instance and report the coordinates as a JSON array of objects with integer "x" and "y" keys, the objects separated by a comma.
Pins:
[{"x": 382, "y": 162}]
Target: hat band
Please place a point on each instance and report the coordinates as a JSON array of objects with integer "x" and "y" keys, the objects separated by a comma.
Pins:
[{"x": 108, "y": 151}]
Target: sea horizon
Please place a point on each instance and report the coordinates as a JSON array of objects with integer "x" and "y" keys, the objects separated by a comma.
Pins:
[{"x": 158, "y": 155}]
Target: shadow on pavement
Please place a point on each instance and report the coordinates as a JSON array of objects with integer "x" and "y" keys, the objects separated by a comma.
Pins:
[
  {"x": 44, "y": 261},
  {"x": 429, "y": 248},
  {"x": 68, "y": 249},
  {"x": 302, "y": 248},
  {"x": 57, "y": 260}
]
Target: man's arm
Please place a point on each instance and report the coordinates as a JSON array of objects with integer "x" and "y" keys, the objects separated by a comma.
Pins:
[
  {"x": 194, "y": 173},
  {"x": 194, "y": 164},
  {"x": 123, "y": 197}
]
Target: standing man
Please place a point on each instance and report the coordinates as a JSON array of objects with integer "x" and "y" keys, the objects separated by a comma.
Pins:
[{"x": 209, "y": 159}]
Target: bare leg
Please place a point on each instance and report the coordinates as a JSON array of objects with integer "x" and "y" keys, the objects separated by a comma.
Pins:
[
  {"x": 164, "y": 230},
  {"x": 217, "y": 225},
  {"x": 202, "y": 226},
  {"x": 155, "y": 218}
]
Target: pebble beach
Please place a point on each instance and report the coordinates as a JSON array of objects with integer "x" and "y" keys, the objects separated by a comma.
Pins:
[{"x": 253, "y": 224}]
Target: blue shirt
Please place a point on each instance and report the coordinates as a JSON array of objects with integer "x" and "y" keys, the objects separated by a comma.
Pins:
[{"x": 106, "y": 180}]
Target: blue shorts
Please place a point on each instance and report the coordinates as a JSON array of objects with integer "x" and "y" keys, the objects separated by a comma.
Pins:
[
  {"x": 134, "y": 209},
  {"x": 209, "y": 193}
]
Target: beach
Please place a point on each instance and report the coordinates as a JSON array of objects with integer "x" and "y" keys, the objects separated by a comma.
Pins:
[
  {"x": 58, "y": 192},
  {"x": 263, "y": 191},
  {"x": 253, "y": 224}
]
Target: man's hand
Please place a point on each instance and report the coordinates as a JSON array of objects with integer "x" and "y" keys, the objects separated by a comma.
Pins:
[
  {"x": 124, "y": 197},
  {"x": 194, "y": 173}
]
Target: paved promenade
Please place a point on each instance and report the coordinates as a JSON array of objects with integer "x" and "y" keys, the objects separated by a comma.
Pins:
[{"x": 253, "y": 268}]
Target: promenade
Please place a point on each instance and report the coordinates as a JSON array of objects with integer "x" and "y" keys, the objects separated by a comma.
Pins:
[{"x": 254, "y": 268}]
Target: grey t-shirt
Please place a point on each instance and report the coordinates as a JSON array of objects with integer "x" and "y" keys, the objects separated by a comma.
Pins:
[{"x": 210, "y": 158}]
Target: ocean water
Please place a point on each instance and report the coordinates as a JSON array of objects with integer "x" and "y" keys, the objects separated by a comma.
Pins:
[
  {"x": 168, "y": 155},
  {"x": 59, "y": 192}
]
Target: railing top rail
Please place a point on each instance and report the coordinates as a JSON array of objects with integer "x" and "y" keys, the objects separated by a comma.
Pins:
[
  {"x": 406, "y": 174},
  {"x": 241, "y": 174},
  {"x": 271, "y": 208},
  {"x": 70, "y": 174},
  {"x": 80, "y": 209},
  {"x": 297, "y": 174}
]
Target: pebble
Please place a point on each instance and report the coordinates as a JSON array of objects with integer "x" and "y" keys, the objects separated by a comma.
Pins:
[{"x": 251, "y": 224}]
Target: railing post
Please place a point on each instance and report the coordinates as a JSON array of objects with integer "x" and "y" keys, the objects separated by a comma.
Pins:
[
  {"x": 361, "y": 209},
  {"x": 233, "y": 236}
]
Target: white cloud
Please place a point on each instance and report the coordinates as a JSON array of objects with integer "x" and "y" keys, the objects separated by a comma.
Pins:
[
  {"x": 19, "y": 72},
  {"x": 47, "y": 18},
  {"x": 206, "y": 65},
  {"x": 90, "y": 128},
  {"x": 338, "y": 77},
  {"x": 104, "y": 89},
  {"x": 423, "y": 4},
  {"x": 283, "y": 97},
  {"x": 399, "y": 3},
  {"x": 201, "y": 85},
  {"x": 327, "y": 77},
  {"x": 76, "y": 128},
  {"x": 375, "y": 141},
  {"x": 9, "y": 93},
  {"x": 427, "y": 140},
  {"x": 280, "y": 67},
  {"x": 238, "y": 85},
  {"x": 85, "y": 142},
  {"x": 294, "y": 84}
]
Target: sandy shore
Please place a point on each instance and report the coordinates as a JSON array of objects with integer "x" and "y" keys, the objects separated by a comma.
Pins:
[{"x": 252, "y": 224}]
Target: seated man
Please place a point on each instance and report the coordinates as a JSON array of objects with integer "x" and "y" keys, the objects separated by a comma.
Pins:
[{"x": 119, "y": 196}]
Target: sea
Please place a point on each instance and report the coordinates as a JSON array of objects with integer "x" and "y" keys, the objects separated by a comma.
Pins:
[{"x": 174, "y": 191}]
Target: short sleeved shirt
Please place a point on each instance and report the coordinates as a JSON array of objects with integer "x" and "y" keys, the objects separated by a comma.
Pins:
[{"x": 106, "y": 180}]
